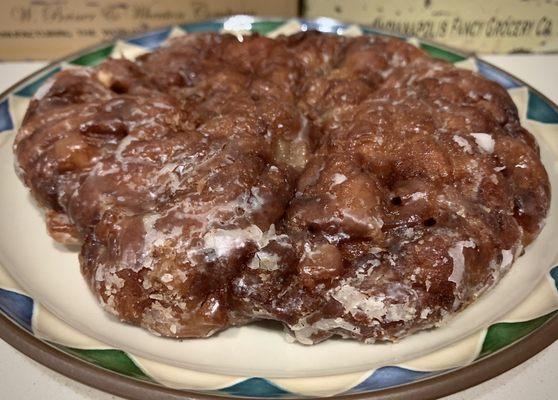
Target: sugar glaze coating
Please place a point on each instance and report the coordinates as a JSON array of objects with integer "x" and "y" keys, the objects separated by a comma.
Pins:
[{"x": 341, "y": 186}]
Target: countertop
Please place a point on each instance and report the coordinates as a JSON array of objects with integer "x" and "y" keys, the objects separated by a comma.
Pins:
[{"x": 535, "y": 379}]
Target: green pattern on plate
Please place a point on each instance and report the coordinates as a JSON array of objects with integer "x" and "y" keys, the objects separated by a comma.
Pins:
[
  {"x": 264, "y": 27},
  {"x": 113, "y": 360},
  {"x": 442, "y": 54},
  {"x": 505, "y": 333},
  {"x": 255, "y": 387},
  {"x": 93, "y": 58},
  {"x": 540, "y": 110}
]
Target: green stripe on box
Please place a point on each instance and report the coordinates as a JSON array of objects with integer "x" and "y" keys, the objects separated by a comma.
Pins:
[
  {"x": 113, "y": 360},
  {"x": 93, "y": 58},
  {"x": 442, "y": 54},
  {"x": 505, "y": 333}
]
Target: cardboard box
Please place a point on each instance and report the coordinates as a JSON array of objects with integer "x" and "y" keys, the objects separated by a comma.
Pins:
[
  {"x": 482, "y": 26},
  {"x": 47, "y": 29}
]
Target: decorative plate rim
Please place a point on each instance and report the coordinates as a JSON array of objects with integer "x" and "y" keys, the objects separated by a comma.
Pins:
[
  {"x": 444, "y": 383},
  {"x": 134, "y": 389}
]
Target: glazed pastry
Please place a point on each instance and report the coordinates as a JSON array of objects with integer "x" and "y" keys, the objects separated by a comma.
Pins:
[{"x": 341, "y": 186}]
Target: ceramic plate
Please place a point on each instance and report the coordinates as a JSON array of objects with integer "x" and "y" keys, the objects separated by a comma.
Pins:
[{"x": 54, "y": 316}]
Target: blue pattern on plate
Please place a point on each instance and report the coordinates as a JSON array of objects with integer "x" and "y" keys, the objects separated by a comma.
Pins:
[
  {"x": 554, "y": 275},
  {"x": 18, "y": 307},
  {"x": 255, "y": 387},
  {"x": 5, "y": 117},
  {"x": 30, "y": 89},
  {"x": 390, "y": 376},
  {"x": 151, "y": 40},
  {"x": 539, "y": 110},
  {"x": 494, "y": 75}
]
